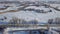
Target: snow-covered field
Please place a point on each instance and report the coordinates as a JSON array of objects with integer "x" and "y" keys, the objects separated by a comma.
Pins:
[
  {"x": 31, "y": 15},
  {"x": 55, "y": 6},
  {"x": 38, "y": 8}
]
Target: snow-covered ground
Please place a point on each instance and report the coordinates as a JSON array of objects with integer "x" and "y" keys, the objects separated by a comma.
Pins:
[
  {"x": 11, "y": 8},
  {"x": 55, "y": 5},
  {"x": 38, "y": 8},
  {"x": 31, "y": 15}
]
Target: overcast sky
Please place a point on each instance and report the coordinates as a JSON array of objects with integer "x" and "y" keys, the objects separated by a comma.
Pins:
[{"x": 31, "y": 0}]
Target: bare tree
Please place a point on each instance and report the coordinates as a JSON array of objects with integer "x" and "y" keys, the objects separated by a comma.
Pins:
[
  {"x": 57, "y": 20},
  {"x": 16, "y": 20},
  {"x": 54, "y": 21},
  {"x": 33, "y": 22},
  {"x": 50, "y": 21}
]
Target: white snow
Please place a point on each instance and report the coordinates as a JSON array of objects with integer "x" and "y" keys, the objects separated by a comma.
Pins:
[
  {"x": 2, "y": 6},
  {"x": 10, "y": 8},
  {"x": 55, "y": 5},
  {"x": 31, "y": 15},
  {"x": 40, "y": 8}
]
